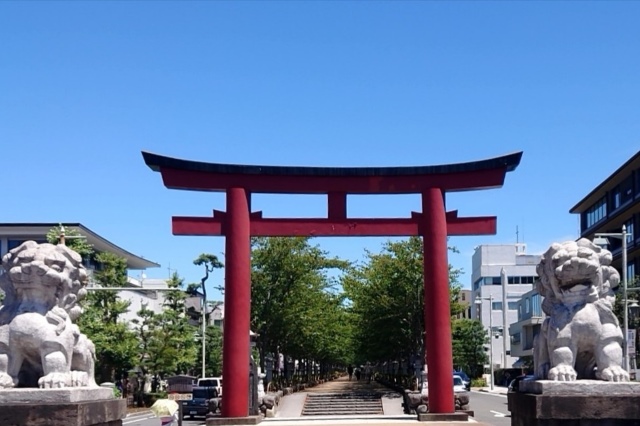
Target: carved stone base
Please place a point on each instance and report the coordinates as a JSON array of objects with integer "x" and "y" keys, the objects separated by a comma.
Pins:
[
  {"x": 595, "y": 403},
  {"x": 223, "y": 421},
  {"x": 108, "y": 412}
]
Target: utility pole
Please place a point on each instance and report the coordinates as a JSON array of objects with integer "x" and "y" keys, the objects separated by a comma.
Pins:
[{"x": 505, "y": 307}]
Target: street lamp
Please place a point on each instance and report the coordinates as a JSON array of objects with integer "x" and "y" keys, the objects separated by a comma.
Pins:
[
  {"x": 478, "y": 302},
  {"x": 600, "y": 239}
]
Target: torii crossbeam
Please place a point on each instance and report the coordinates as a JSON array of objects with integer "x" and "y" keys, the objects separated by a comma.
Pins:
[{"x": 238, "y": 224}]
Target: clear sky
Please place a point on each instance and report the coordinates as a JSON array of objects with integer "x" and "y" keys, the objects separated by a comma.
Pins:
[{"x": 86, "y": 86}]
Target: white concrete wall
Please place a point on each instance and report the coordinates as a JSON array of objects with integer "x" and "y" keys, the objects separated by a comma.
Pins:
[{"x": 488, "y": 261}]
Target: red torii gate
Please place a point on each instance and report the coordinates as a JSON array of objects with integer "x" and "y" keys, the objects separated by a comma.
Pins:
[{"x": 239, "y": 223}]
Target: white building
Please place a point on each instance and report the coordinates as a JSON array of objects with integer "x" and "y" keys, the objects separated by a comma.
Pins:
[
  {"x": 500, "y": 275},
  {"x": 530, "y": 318},
  {"x": 145, "y": 297}
]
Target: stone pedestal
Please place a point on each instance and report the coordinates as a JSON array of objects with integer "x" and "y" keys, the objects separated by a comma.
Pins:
[
  {"x": 61, "y": 407},
  {"x": 581, "y": 403},
  {"x": 458, "y": 416}
]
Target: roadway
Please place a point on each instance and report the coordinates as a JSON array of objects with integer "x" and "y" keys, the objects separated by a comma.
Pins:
[
  {"x": 489, "y": 408},
  {"x": 148, "y": 419}
]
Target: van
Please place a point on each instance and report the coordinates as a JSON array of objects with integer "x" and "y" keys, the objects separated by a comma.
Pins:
[
  {"x": 198, "y": 405},
  {"x": 211, "y": 382}
]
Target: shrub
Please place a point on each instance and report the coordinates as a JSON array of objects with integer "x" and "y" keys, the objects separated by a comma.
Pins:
[{"x": 478, "y": 383}]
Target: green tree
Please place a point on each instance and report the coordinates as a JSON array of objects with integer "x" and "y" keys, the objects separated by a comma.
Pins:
[
  {"x": 167, "y": 340},
  {"x": 210, "y": 262},
  {"x": 387, "y": 301},
  {"x": 296, "y": 307},
  {"x": 469, "y": 338},
  {"x": 213, "y": 351},
  {"x": 116, "y": 344},
  {"x": 72, "y": 239}
]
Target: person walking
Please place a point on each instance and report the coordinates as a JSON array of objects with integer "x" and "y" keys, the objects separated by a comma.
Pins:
[
  {"x": 350, "y": 371},
  {"x": 367, "y": 372}
]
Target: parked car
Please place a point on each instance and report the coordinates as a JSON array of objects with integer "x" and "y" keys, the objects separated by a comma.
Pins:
[
  {"x": 514, "y": 386},
  {"x": 464, "y": 377},
  {"x": 215, "y": 382},
  {"x": 458, "y": 384},
  {"x": 198, "y": 405}
]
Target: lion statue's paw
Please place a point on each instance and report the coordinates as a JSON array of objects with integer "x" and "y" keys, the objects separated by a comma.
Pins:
[
  {"x": 613, "y": 374},
  {"x": 562, "y": 373},
  {"x": 6, "y": 381},
  {"x": 55, "y": 380},
  {"x": 79, "y": 378}
]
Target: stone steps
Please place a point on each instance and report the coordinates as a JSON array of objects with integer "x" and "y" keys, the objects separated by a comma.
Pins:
[{"x": 342, "y": 404}]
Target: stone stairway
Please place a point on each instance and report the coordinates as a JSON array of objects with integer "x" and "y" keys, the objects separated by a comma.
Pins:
[{"x": 342, "y": 404}]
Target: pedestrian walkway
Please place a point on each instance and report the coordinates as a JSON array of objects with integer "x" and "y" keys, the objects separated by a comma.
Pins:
[{"x": 291, "y": 406}]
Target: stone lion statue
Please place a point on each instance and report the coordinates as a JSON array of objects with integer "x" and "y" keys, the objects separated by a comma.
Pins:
[
  {"x": 39, "y": 344},
  {"x": 581, "y": 337}
]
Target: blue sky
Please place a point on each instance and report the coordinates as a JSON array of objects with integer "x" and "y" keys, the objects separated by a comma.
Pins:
[{"x": 86, "y": 86}]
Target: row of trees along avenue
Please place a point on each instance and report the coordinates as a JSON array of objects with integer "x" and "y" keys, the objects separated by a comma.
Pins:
[{"x": 311, "y": 306}]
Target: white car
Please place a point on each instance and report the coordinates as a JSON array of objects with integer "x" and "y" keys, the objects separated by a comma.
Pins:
[
  {"x": 212, "y": 382},
  {"x": 458, "y": 384}
]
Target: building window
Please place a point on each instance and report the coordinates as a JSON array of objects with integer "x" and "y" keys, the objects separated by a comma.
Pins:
[
  {"x": 464, "y": 296},
  {"x": 630, "y": 234},
  {"x": 519, "y": 311},
  {"x": 496, "y": 306},
  {"x": 536, "y": 305},
  {"x": 597, "y": 212},
  {"x": 616, "y": 198},
  {"x": 513, "y": 306},
  {"x": 527, "y": 305},
  {"x": 515, "y": 338},
  {"x": 626, "y": 190},
  {"x": 528, "y": 280}
]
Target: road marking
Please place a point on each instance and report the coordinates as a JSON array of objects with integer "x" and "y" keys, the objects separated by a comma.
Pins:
[{"x": 497, "y": 413}]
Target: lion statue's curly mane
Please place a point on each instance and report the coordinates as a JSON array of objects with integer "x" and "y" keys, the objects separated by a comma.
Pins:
[
  {"x": 39, "y": 343},
  {"x": 581, "y": 337}
]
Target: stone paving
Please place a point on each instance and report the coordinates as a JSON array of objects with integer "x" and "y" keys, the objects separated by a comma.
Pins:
[{"x": 290, "y": 409}]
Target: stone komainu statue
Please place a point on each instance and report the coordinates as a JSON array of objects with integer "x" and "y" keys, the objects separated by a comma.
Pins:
[
  {"x": 581, "y": 337},
  {"x": 39, "y": 344}
]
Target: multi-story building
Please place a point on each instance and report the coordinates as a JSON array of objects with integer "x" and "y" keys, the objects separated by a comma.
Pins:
[
  {"x": 527, "y": 327},
  {"x": 615, "y": 203},
  {"x": 610, "y": 205},
  {"x": 501, "y": 274}
]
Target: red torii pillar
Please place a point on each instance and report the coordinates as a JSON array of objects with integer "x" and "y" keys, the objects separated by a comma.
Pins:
[
  {"x": 237, "y": 305},
  {"x": 238, "y": 224},
  {"x": 437, "y": 313}
]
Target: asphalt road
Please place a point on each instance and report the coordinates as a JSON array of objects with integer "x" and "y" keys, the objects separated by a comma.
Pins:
[
  {"x": 148, "y": 419},
  {"x": 490, "y": 408}
]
